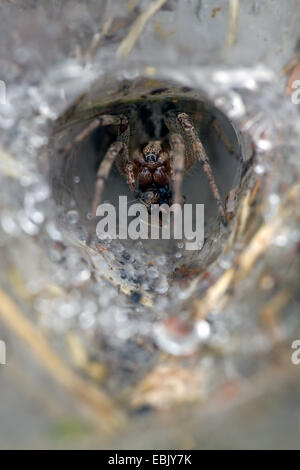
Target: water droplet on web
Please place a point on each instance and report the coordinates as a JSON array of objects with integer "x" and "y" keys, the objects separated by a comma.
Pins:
[
  {"x": 37, "y": 217},
  {"x": 175, "y": 340},
  {"x": 264, "y": 144},
  {"x": 162, "y": 286},
  {"x": 46, "y": 111},
  {"x": 161, "y": 260},
  {"x": 53, "y": 231},
  {"x": 27, "y": 226},
  {"x": 259, "y": 169},
  {"x": 66, "y": 310},
  {"x": 274, "y": 199},
  {"x": 41, "y": 192},
  {"x": 72, "y": 217},
  {"x": 9, "y": 225},
  {"x": 281, "y": 240},
  {"x": 86, "y": 320},
  {"x": 202, "y": 328},
  {"x": 82, "y": 276},
  {"x": 152, "y": 273}
]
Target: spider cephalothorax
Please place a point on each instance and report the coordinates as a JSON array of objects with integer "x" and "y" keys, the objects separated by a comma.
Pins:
[{"x": 154, "y": 174}]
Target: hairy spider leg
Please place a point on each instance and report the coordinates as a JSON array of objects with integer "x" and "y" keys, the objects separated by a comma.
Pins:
[
  {"x": 102, "y": 175},
  {"x": 112, "y": 153},
  {"x": 177, "y": 165},
  {"x": 104, "y": 120},
  {"x": 199, "y": 151}
]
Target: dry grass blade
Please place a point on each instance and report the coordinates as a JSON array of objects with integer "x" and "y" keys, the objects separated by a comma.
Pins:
[
  {"x": 233, "y": 16},
  {"x": 11, "y": 167},
  {"x": 102, "y": 410},
  {"x": 128, "y": 43}
]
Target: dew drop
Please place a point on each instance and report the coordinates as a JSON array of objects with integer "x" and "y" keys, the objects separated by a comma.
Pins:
[{"x": 72, "y": 217}]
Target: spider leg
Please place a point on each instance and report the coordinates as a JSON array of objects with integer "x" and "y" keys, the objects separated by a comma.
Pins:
[
  {"x": 130, "y": 176},
  {"x": 199, "y": 151},
  {"x": 177, "y": 165},
  {"x": 102, "y": 175},
  {"x": 117, "y": 149},
  {"x": 113, "y": 151},
  {"x": 127, "y": 164},
  {"x": 222, "y": 136},
  {"x": 104, "y": 120}
]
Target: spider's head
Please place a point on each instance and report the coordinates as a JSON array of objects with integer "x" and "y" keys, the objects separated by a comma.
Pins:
[{"x": 152, "y": 151}]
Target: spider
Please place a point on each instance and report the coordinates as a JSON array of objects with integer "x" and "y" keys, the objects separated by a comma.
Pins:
[{"x": 154, "y": 173}]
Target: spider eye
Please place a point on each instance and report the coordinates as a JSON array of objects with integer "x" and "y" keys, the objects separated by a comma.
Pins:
[{"x": 152, "y": 157}]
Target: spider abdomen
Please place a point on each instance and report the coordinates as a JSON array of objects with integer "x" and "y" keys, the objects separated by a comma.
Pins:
[
  {"x": 160, "y": 176},
  {"x": 152, "y": 175},
  {"x": 145, "y": 177}
]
